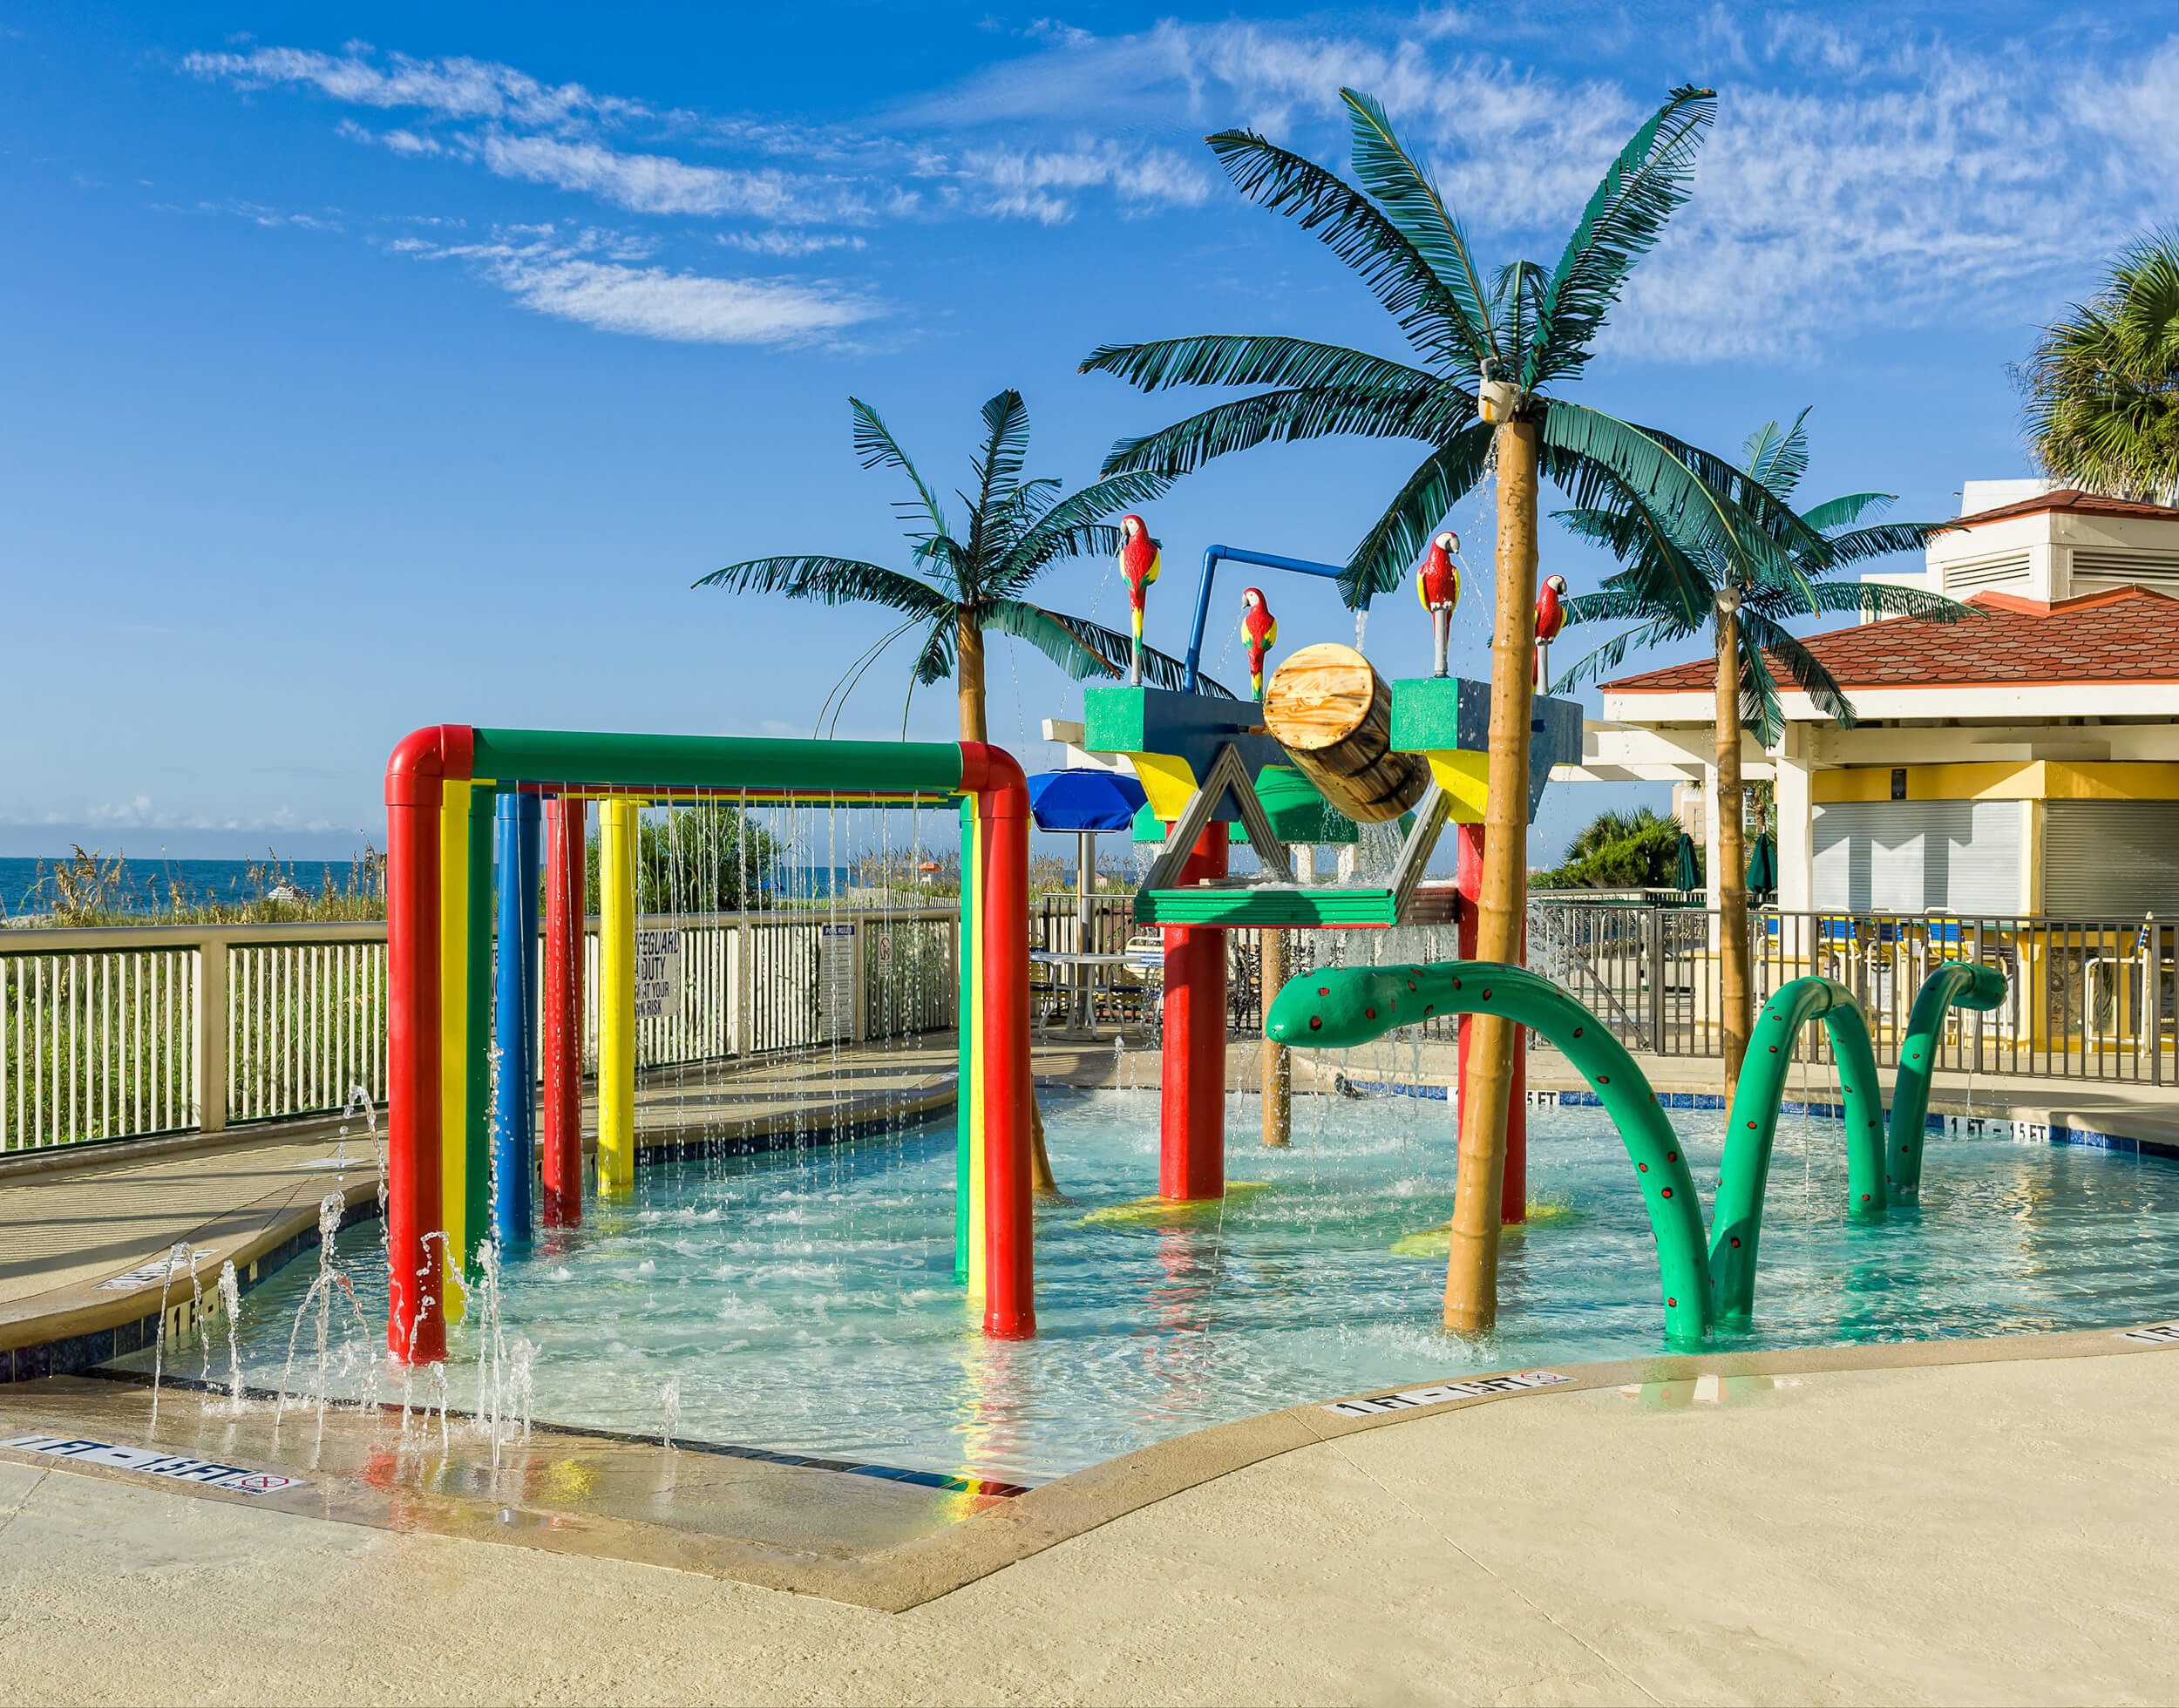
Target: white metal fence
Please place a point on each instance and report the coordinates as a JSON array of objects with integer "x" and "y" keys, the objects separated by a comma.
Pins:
[
  {"x": 2095, "y": 1000},
  {"x": 132, "y": 1032}
]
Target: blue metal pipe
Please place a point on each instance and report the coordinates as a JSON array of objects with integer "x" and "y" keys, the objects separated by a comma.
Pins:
[
  {"x": 1211, "y": 554},
  {"x": 517, "y": 825}
]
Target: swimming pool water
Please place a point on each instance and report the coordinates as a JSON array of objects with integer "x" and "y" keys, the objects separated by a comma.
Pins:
[{"x": 804, "y": 1301}]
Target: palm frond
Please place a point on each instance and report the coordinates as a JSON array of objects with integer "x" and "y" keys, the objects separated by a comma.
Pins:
[
  {"x": 1065, "y": 640},
  {"x": 1303, "y": 413},
  {"x": 998, "y": 465},
  {"x": 876, "y": 447},
  {"x": 1618, "y": 605},
  {"x": 1841, "y": 512},
  {"x": 935, "y": 663},
  {"x": 1884, "y": 599},
  {"x": 1592, "y": 665},
  {"x": 1354, "y": 230},
  {"x": 1381, "y": 561},
  {"x": 831, "y": 581},
  {"x": 1764, "y": 508},
  {"x": 1778, "y": 456},
  {"x": 1075, "y": 526},
  {"x": 1761, "y": 635},
  {"x": 1884, "y": 540},
  {"x": 1412, "y": 201},
  {"x": 1217, "y": 360},
  {"x": 1595, "y": 457},
  {"x": 1649, "y": 180}
]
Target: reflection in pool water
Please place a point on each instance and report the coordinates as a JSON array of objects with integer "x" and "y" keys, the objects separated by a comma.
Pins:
[{"x": 804, "y": 1301}]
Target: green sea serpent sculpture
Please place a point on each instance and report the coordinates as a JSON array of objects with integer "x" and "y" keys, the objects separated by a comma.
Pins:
[{"x": 1704, "y": 1283}]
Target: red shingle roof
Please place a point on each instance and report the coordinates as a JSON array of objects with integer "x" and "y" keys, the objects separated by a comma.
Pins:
[
  {"x": 2074, "y": 502},
  {"x": 2123, "y": 634}
]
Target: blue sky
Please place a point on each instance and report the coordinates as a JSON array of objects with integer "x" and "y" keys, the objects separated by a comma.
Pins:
[{"x": 368, "y": 366}]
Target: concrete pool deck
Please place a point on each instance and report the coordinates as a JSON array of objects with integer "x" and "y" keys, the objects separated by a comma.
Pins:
[
  {"x": 1957, "y": 1520},
  {"x": 1963, "y": 1522}
]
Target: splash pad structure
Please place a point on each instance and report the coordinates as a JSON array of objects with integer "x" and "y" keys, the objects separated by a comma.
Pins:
[{"x": 444, "y": 1150}]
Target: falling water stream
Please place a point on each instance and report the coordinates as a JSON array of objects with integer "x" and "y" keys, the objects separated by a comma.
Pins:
[{"x": 804, "y": 1300}]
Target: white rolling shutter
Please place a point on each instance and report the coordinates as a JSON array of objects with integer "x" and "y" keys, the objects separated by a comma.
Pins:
[
  {"x": 1907, "y": 856},
  {"x": 2110, "y": 860}
]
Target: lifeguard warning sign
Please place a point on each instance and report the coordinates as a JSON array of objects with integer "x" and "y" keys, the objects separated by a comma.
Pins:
[{"x": 658, "y": 973}]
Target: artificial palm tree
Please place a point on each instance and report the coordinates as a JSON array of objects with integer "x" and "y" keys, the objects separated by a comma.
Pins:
[
  {"x": 2103, "y": 383},
  {"x": 1677, "y": 582},
  {"x": 973, "y": 581},
  {"x": 1017, "y": 529},
  {"x": 1495, "y": 358}
]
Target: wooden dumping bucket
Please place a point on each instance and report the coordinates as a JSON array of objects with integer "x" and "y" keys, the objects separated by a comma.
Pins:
[{"x": 1332, "y": 713}]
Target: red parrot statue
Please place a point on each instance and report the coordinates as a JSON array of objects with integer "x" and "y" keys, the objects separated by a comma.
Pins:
[
  {"x": 1438, "y": 585},
  {"x": 1139, "y": 562},
  {"x": 1550, "y": 618},
  {"x": 1261, "y": 629}
]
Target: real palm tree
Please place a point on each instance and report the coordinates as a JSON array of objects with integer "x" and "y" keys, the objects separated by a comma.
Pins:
[
  {"x": 972, "y": 581},
  {"x": 2102, "y": 385},
  {"x": 1494, "y": 360},
  {"x": 1677, "y": 582}
]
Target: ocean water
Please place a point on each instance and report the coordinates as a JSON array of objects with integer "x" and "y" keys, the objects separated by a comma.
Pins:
[
  {"x": 804, "y": 1301},
  {"x": 143, "y": 885}
]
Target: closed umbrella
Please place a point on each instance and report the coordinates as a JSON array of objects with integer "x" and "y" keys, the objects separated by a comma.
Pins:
[
  {"x": 1687, "y": 877},
  {"x": 1762, "y": 865}
]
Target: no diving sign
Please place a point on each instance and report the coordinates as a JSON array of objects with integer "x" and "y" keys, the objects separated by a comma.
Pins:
[
  {"x": 1444, "y": 1391},
  {"x": 208, "y": 1472}
]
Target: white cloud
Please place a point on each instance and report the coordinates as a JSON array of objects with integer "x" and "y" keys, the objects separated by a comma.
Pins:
[
  {"x": 563, "y": 279},
  {"x": 1045, "y": 184},
  {"x": 1863, "y": 174},
  {"x": 660, "y": 184},
  {"x": 456, "y": 88},
  {"x": 788, "y": 243},
  {"x": 401, "y": 142}
]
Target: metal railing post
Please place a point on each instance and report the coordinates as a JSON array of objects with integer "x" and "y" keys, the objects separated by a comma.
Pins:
[
  {"x": 1656, "y": 957},
  {"x": 214, "y": 1029}
]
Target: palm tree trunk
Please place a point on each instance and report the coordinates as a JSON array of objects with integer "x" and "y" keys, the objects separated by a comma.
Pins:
[
  {"x": 1472, "y": 1273},
  {"x": 969, "y": 677},
  {"x": 1278, "y": 1069},
  {"x": 1731, "y": 853}
]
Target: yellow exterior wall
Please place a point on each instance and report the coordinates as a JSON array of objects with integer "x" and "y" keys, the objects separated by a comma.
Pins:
[{"x": 2005, "y": 780}]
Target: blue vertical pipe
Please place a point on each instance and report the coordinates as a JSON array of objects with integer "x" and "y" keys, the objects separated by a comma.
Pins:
[{"x": 514, "y": 1006}]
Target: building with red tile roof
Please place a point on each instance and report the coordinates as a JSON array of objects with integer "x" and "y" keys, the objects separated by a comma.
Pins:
[{"x": 2022, "y": 760}]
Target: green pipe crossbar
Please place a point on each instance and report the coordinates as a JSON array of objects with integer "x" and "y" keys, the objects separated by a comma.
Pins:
[{"x": 714, "y": 762}]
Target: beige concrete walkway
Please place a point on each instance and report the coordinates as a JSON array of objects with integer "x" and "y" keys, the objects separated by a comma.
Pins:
[{"x": 1999, "y": 1532}]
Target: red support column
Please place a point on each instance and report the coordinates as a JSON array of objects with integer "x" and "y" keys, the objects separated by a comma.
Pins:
[
  {"x": 1191, "y": 1104},
  {"x": 563, "y": 1042},
  {"x": 1002, "y": 802},
  {"x": 415, "y": 1240},
  {"x": 1513, "y": 1199}
]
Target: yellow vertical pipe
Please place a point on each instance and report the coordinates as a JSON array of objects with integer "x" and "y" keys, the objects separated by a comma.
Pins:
[
  {"x": 616, "y": 995},
  {"x": 454, "y": 1008},
  {"x": 971, "y": 924}
]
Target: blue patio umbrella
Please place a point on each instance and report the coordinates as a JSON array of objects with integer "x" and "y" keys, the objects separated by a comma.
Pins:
[{"x": 1084, "y": 799}]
